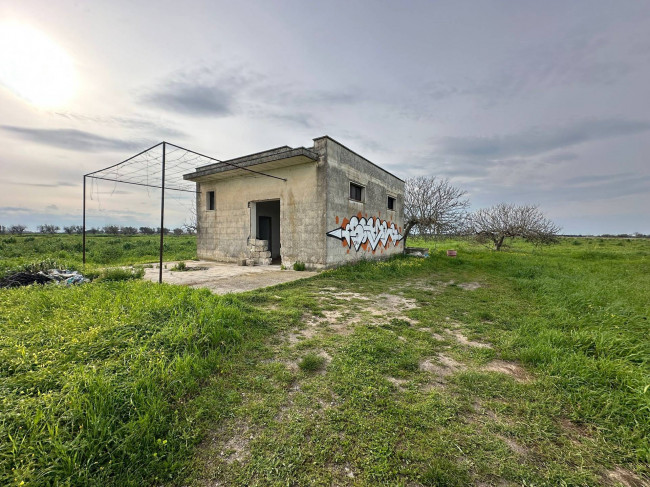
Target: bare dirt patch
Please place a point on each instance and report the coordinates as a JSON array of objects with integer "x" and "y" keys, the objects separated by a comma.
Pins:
[
  {"x": 373, "y": 310},
  {"x": 346, "y": 296},
  {"x": 575, "y": 431},
  {"x": 235, "y": 449},
  {"x": 469, "y": 286},
  {"x": 436, "y": 336},
  {"x": 514, "y": 446},
  {"x": 510, "y": 368},
  {"x": 441, "y": 366},
  {"x": 393, "y": 302},
  {"x": 301, "y": 335},
  {"x": 463, "y": 340},
  {"x": 398, "y": 383},
  {"x": 620, "y": 476}
]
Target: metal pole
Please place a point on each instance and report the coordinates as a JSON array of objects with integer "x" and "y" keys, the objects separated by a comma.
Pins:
[
  {"x": 162, "y": 214},
  {"x": 83, "y": 245}
]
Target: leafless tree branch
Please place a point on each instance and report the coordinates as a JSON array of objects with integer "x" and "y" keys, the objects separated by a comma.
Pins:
[
  {"x": 432, "y": 206},
  {"x": 502, "y": 221}
]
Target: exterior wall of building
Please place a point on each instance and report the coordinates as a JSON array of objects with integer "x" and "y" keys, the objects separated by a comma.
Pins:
[
  {"x": 359, "y": 230},
  {"x": 223, "y": 233}
]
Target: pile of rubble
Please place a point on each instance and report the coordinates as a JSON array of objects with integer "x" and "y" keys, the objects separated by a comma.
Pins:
[
  {"x": 25, "y": 278},
  {"x": 259, "y": 253}
]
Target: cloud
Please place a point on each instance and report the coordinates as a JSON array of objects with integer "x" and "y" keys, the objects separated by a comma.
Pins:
[
  {"x": 537, "y": 141},
  {"x": 72, "y": 139},
  {"x": 159, "y": 129},
  {"x": 579, "y": 59},
  {"x": 51, "y": 207},
  {"x": 14, "y": 209},
  {"x": 191, "y": 99},
  {"x": 219, "y": 91},
  {"x": 56, "y": 184}
]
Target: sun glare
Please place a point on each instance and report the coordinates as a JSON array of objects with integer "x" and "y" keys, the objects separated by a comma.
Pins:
[{"x": 34, "y": 67}]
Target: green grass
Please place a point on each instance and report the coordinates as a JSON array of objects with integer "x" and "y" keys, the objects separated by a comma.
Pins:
[
  {"x": 132, "y": 383},
  {"x": 98, "y": 382},
  {"x": 101, "y": 250}
]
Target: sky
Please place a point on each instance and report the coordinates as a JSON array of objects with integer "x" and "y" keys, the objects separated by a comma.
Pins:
[{"x": 522, "y": 102}]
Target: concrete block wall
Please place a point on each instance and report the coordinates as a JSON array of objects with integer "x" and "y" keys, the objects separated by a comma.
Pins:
[
  {"x": 345, "y": 166},
  {"x": 224, "y": 232}
]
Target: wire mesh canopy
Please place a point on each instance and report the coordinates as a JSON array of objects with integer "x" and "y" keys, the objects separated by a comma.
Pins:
[
  {"x": 161, "y": 166},
  {"x": 146, "y": 168}
]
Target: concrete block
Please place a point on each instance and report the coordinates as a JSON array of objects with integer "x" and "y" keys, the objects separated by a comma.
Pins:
[
  {"x": 266, "y": 261},
  {"x": 250, "y": 262}
]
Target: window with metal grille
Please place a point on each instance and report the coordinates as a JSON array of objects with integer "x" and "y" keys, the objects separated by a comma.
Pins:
[
  {"x": 391, "y": 203},
  {"x": 356, "y": 192},
  {"x": 209, "y": 200}
]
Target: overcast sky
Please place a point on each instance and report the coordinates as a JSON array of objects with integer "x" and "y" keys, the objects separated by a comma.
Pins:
[{"x": 516, "y": 101}]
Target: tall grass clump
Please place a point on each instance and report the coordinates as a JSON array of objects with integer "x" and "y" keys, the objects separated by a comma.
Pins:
[{"x": 96, "y": 380}]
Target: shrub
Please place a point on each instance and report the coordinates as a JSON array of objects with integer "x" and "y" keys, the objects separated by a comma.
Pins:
[
  {"x": 179, "y": 267},
  {"x": 299, "y": 266}
]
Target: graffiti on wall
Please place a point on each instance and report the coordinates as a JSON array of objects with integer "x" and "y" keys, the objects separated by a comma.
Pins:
[{"x": 359, "y": 232}]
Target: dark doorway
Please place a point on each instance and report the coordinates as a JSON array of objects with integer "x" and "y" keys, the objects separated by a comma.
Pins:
[
  {"x": 268, "y": 226},
  {"x": 264, "y": 230}
]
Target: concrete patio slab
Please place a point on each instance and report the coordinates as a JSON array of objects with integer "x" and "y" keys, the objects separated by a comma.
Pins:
[{"x": 222, "y": 278}]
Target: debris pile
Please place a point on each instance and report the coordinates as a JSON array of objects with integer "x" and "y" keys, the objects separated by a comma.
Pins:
[
  {"x": 417, "y": 251},
  {"x": 58, "y": 276}
]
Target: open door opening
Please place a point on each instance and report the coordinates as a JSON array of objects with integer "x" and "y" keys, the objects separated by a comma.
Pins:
[{"x": 268, "y": 227}]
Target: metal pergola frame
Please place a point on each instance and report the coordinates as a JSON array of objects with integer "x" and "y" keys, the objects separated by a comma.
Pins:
[{"x": 93, "y": 175}]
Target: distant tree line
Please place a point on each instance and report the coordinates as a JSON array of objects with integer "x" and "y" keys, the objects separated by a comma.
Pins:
[{"x": 105, "y": 230}]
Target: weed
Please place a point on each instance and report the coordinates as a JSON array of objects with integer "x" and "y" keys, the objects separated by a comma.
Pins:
[
  {"x": 119, "y": 274},
  {"x": 298, "y": 266},
  {"x": 312, "y": 362}
]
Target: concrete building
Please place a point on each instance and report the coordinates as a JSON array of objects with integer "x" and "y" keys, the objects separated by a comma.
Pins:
[{"x": 324, "y": 205}]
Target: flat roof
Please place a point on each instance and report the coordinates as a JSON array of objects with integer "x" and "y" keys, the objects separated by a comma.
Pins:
[
  {"x": 279, "y": 157},
  {"x": 357, "y": 154},
  {"x": 273, "y": 158}
]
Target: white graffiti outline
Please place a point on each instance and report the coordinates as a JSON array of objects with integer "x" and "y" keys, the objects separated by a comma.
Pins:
[{"x": 373, "y": 230}]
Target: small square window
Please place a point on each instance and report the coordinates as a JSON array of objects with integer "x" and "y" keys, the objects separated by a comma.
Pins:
[
  {"x": 209, "y": 200},
  {"x": 391, "y": 203},
  {"x": 356, "y": 192}
]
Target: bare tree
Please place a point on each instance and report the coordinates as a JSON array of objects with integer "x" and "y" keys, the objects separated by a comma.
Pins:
[
  {"x": 502, "y": 221},
  {"x": 48, "y": 228},
  {"x": 128, "y": 230},
  {"x": 73, "y": 229},
  {"x": 191, "y": 224},
  {"x": 17, "y": 229},
  {"x": 432, "y": 206}
]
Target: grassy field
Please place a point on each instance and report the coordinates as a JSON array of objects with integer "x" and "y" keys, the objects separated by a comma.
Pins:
[
  {"x": 102, "y": 250},
  {"x": 526, "y": 367}
]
